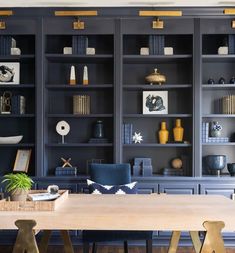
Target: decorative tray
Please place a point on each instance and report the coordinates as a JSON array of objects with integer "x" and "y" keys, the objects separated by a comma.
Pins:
[{"x": 50, "y": 205}]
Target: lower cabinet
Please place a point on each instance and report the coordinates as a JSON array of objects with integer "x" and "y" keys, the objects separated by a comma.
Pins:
[{"x": 218, "y": 189}]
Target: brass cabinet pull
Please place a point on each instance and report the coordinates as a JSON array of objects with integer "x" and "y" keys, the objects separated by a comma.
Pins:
[
  {"x": 77, "y": 25},
  {"x": 4, "y": 13},
  {"x": 159, "y": 24}
]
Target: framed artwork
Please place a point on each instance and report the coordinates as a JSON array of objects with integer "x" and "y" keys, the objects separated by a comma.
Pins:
[
  {"x": 155, "y": 102},
  {"x": 9, "y": 72},
  {"x": 22, "y": 160}
]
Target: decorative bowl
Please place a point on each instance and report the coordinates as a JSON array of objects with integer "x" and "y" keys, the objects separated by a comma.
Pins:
[
  {"x": 155, "y": 78},
  {"x": 11, "y": 139},
  {"x": 231, "y": 169},
  {"x": 216, "y": 162}
]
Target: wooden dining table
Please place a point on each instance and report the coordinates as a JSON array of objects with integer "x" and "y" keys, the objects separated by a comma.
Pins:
[{"x": 134, "y": 212}]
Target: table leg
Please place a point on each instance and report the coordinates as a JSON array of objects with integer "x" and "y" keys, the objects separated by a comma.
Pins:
[
  {"x": 175, "y": 237},
  {"x": 196, "y": 241},
  {"x": 68, "y": 247},
  {"x": 25, "y": 241},
  {"x": 43, "y": 245},
  {"x": 213, "y": 242}
]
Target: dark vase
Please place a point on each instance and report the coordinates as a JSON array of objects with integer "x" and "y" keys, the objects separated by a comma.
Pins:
[
  {"x": 232, "y": 80},
  {"x": 211, "y": 81},
  {"x": 221, "y": 80},
  {"x": 99, "y": 129}
]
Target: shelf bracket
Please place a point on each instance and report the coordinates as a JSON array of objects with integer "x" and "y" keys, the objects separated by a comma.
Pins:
[
  {"x": 159, "y": 24},
  {"x": 77, "y": 25},
  {"x": 3, "y": 23}
]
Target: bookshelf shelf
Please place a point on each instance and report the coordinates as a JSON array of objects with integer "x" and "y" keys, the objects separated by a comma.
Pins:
[
  {"x": 82, "y": 145},
  {"x": 156, "y": 145},
  {"x": 157, "y": 115},
  {"x": 25, "y": 145},
  {"x": 60, "y": 115},
  {"x": 17, "y": 86},
  {"x": 155, "y": 58},
  {"x": 218, "y": 86},
  {"x": 156, "y": 87},
  {"x": 78, "y": 86},
  {"x": 17, "y": 115}
]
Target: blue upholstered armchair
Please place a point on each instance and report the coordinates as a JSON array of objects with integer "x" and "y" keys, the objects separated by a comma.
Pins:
[{"x": 113, "y": 174}]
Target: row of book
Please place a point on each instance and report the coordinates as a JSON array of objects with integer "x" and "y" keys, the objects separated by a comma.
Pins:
[
  {"x": 127, "y": 132},
  {"x": 81, "y": 104},
  {"x": 6, "y": 43},
  {"x": 206, "y": 136},
  {"x": 16, "y": 105},
  {"x": 66, "y": 171},
  {"x": 228, "y": 104},
  {"x": 79, "y": 44},
  {"x": 156, "y": 44},
  {"x": 231, "y": 44}
]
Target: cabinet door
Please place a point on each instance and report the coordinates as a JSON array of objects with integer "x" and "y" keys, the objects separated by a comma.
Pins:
[
  {"x": 147, "y": 188},
  {"x": 218, "y": 189},
  {"x": 167, "y": 188}
]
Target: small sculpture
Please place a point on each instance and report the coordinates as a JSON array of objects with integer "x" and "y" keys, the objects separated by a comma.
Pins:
[
  {"x": 221, "y": 80},
  {"x": 155, "y": 78},
  {"x": 232, "y": 80},
  {"x": 72, "y": 80},
  {"x": 211, "y": 81},
  {"x": 85, "y": 76},
  {"x": 62, "y": 128},
  {"x": 137, "y": 137},
  {"x": 66, "y": 162}
]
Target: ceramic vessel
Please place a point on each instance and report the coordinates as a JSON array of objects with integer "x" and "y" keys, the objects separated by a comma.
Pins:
[
  {"x": 11, "y": 139},
  {"x": 211, "y": 81},
  {"x": 231, "y": 169},
  {"x": 98, "y": 129},
  {"x": 221, "y": 80},
  {"x": 163, "y": 133},
  {"x": 155, "y": 78},
  {"x": 216, "y": 163},
  {"x": 178, "y": 131},
  {"x": 216, "y": 129}
]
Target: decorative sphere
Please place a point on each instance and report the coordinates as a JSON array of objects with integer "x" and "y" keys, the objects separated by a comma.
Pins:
[{"x": 176, "y": 163}]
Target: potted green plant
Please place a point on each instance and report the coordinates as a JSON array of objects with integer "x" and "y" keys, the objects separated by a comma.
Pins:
[{"x": 17, "y": 185}]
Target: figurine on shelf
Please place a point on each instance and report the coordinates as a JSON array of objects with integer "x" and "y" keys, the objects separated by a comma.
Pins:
[
  {"x": 66, "y": 169},
  {"x": 211, "y": 81},
  {"x": 137, "y": 138},
  {"x": 222, "y": 80},
  {"x": 232, "y": 80}
]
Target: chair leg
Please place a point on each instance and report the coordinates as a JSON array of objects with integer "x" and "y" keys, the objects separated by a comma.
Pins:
[
  {"x": 125, "y": 247},
  {"x": 149, "y": 246},
  {"x": 86, "y": 247},
  {"x": 94, "y": 247}
]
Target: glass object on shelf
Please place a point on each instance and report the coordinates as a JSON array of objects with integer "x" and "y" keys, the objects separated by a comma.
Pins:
[
  {"x": 178, "y": 131},
  {"x": 163, "y": 133},
  {"x": 211, "y": 81}
]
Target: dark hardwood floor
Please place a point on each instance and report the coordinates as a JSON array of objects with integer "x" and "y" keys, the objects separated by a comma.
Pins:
[{"x": 106, "y": 249}]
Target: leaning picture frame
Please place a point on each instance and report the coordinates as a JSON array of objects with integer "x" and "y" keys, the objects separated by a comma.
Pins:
[
  {"x": 22, "y": 160},
  {"x": 9, "y": 73},
  {"x": 155, "y": 102}
]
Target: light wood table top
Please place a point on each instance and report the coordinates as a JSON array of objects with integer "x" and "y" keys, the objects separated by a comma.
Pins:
[{"x": 130, "y": 212}]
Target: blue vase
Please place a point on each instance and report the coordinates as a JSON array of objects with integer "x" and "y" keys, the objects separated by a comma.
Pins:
[{"x": 98, "y": 129}]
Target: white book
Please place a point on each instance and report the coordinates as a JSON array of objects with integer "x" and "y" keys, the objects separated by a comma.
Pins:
[{"x": 42, "y": 196}]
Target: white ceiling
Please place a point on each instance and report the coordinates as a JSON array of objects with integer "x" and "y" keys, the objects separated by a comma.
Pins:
[{"x": 113, "y": 3}]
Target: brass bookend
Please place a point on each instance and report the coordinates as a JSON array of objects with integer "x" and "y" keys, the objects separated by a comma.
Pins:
[{"x": 2, "y": 25}]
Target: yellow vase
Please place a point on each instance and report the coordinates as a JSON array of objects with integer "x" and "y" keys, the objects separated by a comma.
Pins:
[
  {"x": 163, "y": 133},
  {"x": 178, "y": 131}
]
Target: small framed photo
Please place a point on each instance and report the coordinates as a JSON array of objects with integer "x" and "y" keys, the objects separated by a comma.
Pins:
[
  {"x": 155, "y": 102},
  {"x": 22, "y": 160},
  {"x": 9, "y": 72}
]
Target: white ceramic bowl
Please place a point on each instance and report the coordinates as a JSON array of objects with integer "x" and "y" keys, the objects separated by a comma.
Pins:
[{"x": 11, "y": 139}]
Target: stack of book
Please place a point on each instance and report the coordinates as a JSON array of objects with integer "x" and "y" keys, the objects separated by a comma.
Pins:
[
  {"x": 172, "y": 172},
  {"x": 18, "y": 104},
  {"x": 127, "y": 129},
  {"x": 66, "y": 171},
  {"x": 156, "y": 44},
  {"x": 5, "y": 45},
  {"x": 231, "y": 44},
  {"x": 207, "y": 139},
  {"x": 79, "y": 44},
  {"x": 81, "y": 104},
  {"x": 228, "y": 104}
]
